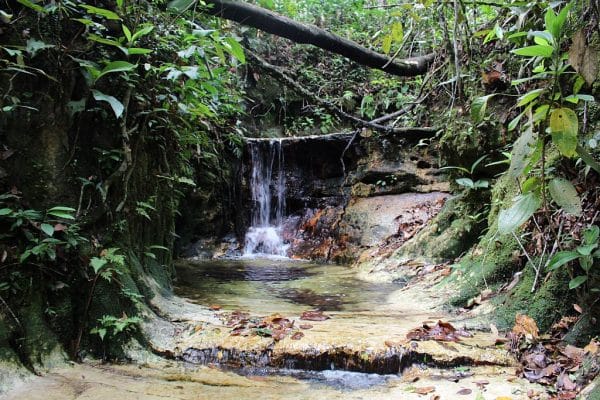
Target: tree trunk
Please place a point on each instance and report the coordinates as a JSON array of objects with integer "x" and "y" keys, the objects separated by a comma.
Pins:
[{"x": 268, "y": 21}]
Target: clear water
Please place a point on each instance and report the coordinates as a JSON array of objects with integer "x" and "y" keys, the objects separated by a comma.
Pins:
[{"x": 266, "y": 286}]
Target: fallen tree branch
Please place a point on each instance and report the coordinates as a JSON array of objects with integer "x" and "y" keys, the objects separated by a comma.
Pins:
[
  {"x": 271, "y": 22},
  {"x": 279, "y": 74}
]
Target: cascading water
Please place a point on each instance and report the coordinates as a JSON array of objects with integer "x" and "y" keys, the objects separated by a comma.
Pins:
[{"x": 264, "y": 236}]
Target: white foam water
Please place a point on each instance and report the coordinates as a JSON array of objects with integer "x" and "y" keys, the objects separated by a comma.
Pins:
[{"x": 264, "y": 235}]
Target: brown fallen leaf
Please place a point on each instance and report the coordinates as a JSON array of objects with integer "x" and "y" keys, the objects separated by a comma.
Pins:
[
  {"x": 526, "y": 326},
  {"x": 305, "y": 326},
  {"x": 425, "y": 390},
  {"x": 481, "y": 384},
  {"x": 578, "y": 308},
  {"x": 314, "y": 315},
  {"x": 464, "y": 391},
  {"x": 214, "y": 307},
  {"x": 442, "y": 331},
  {"x": 297, "y": 336}
]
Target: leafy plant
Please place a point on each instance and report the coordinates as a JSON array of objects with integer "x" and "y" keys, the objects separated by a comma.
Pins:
[
  {"x": 112, "y": 326},
  {"x": 468, "y": 182},
  {"x": 585, "y": 254}
]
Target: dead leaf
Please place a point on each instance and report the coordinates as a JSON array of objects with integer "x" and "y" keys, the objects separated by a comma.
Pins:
[
  {"x": 464, "y": 391},
  {"x": 425, "y": 390},
  {"x": 314, "y": 315},
  {"x": 305, "y": 326},
  {"x": 526, "y": 326},
  {"x": 59, "y": 227},
  {"x": 442, "y": 331},
  {"x": 591, "y": 348},
  {"x": 481, "y": 384},
  {"x": 297, "y": 336},
  {"x": 214, "y": 307},
  {"x": 578, "y": 308}
]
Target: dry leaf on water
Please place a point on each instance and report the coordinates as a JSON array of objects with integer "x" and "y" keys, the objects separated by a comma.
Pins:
[
  {"x": 297, "y": 336},
  {"x": 314, "y": 315},
  {"x": 442, "y": 331},
  {"x": 425, "y": 390}
]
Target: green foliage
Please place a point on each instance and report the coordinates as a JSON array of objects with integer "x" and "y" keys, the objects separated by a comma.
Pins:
[
  {"x": 585, "y": 254},
  {"x": 41, "y": 236},
  {"x": 112, "y": 327},
  {"x": 109, "y": 264}
]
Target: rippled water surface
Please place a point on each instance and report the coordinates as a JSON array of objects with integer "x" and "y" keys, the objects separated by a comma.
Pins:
[{"x": 277, "y": 285}]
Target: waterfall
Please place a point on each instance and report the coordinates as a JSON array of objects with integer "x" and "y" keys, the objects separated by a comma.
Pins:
[{"x": 264, "y": 235}]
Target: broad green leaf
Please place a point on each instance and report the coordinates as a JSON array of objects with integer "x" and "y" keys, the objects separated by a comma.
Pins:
[
  {"x": 137, "y": 50},
  {"x": 588, "y": 158},
  {"x": 141, "y": 32},
  {"x": 97, "y": 263},
  {"x": 591, "y": 234},
  {"x": 481, "y": 183},
  {"x": 524, "y": 206},
  {"x": 127, "y": 33},
  {"x": 101, "y": 12},
  {"x": 531, "y": 184},
  {"x": 62, "y": 208},
  {"x": 235, "y": 49},
  {"x": 535, "y": 51},
  {"x": 586, "y": 250},
  {"x": 47, "y": 229},
  {"x": 120, "y": 3},
  {"x": 32, "y": 5},
  {"x": 561, "y": 258},
  {"x": 541, "y": 37},
  {"x": 386, "y": 46},
  {"x": 564, "y": 127},
  {"x": 478, "y": 107},
  {"x": 565, "y": 195},
  {"x": 5, "y": 211},
  {"x": 550, "y": 19},
  {"x": 397, "y": 32},
  {"x": 466, "y": 182},
  {"x": 577, "y": 281},
  {"x": 180, "y": 5},
  {"x": 574, "y": 98},
  {"x": 559, "y": 21},
  {"x": 529, "y": 97},
  {"x": 33, "y": 46},
  {"x": 515, "y": 121},
  {"x": 115, "y": 104},
  {"x": 103, "y": 40},
  {"x": 61, "y": 214},
  {"x": 116, "y": 66},
  {"x": 521, "y": 152}
]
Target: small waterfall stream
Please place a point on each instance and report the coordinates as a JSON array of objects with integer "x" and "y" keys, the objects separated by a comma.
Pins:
[{"x": 268, "y": 196}]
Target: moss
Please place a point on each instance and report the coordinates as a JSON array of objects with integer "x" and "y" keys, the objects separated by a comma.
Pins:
[
  {"x": 39, "y": 344},
  {"x": 546, "y": 305},
  {"x": 11, "y": 368}
]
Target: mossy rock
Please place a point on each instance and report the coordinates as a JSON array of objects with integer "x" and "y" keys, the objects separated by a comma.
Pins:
[
  {"x": 546, "y": 304},
  {"x": 39, "y": 345},
  {"x": 449, "y": 234},
  {"x": 11, "y": 368}
]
